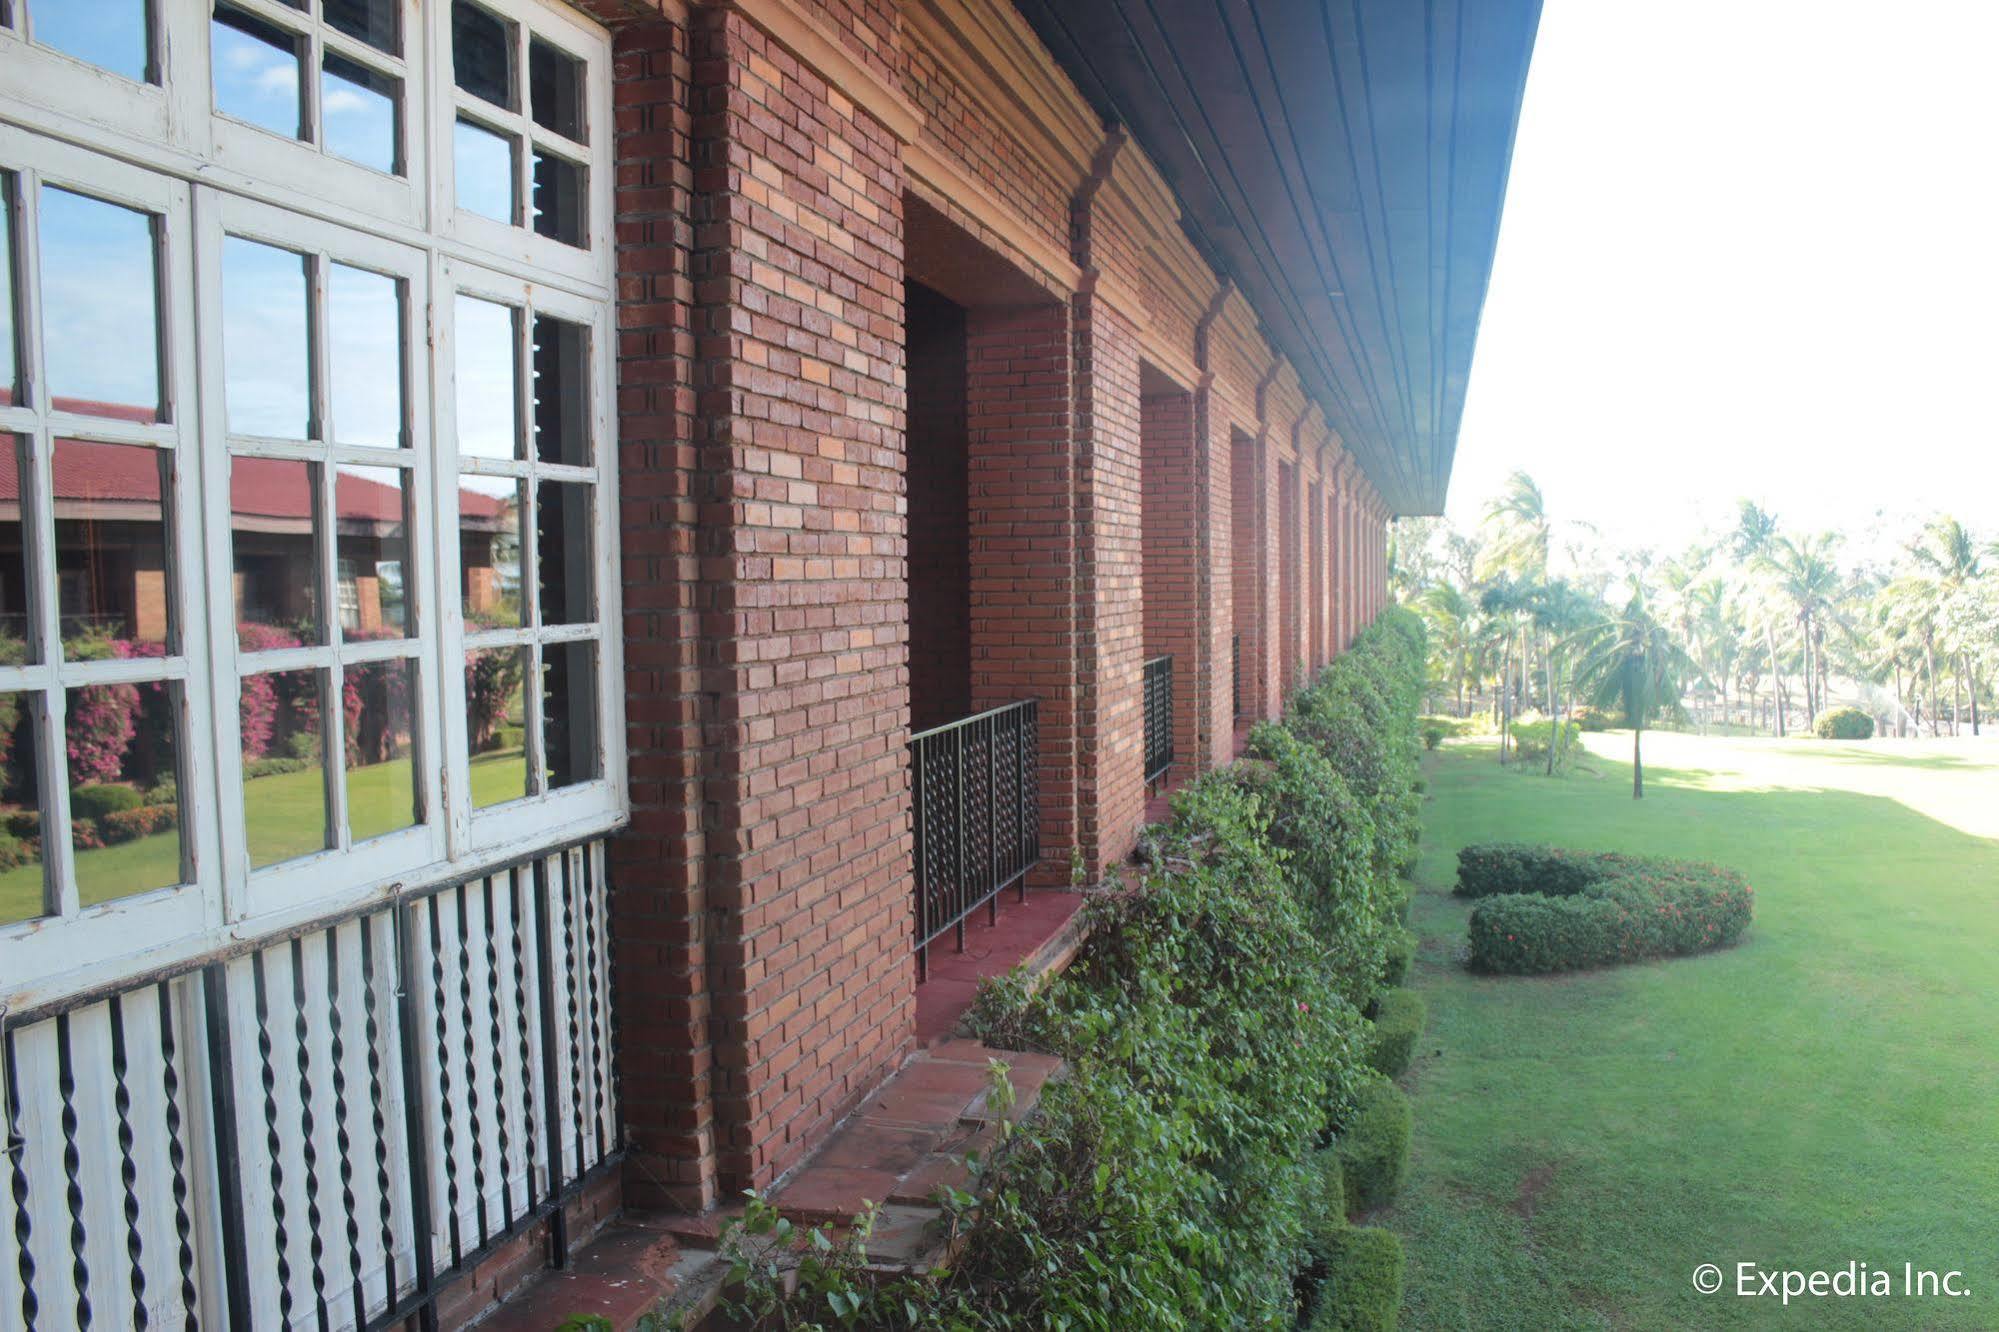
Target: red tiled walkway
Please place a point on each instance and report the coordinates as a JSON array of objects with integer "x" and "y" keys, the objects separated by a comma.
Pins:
[{"x": 1041, "y": 931}]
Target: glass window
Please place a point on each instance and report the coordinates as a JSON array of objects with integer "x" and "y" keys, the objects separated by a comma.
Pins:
[
  {"x": 10, "y": 361},
  {"x": 111, "y": 549},
  {"x": 489, "y": 552},
  {"x": 371, "y": 538},
  {"x": 569, "y": 713},
  {"x": 558, "y": 199},
  {"x": 365, "y": 318},
  {"x": 488, "y": 403},
  {"x": 555, "y": 89},
  {"x": 370, "y": 21},
  {"x": 483, "y": 169},
  {"x": 381, "y": 748},
  {"x": 124, "y": 789},
  {"x": 482, "y": 59},
  {"x": 496, "y": 722},
  {"x": 100, "y": 307},
  {"x": 561, "y": 392},
  {"x": 267, "y": 342},
  {"x": 284, "y": 776},
  {"x": 17, "y": 625},
  {"x": 255, "y": 70},
  {"x": 274, "y": 552},
  {"x": 359, "y": 106},
  {"x": 23, "y": 892},
  {"x": 110, "y": 34},
  {"x": 562, "y": 552}
]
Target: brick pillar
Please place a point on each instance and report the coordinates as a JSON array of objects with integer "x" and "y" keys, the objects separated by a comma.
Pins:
[
  {"x": 1110, "y": 802},
  {"x": 1173, "y": 566},
  {"x": 1245, "y": 569},
  {"x": 1021, "y": 472},
  {"x": 1315, "y": 517},
  {"x": 799, "y": 429},
  {"x": 1288, "y": 567}
]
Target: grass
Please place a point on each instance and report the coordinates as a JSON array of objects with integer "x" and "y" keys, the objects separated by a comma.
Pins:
[
  {"x": 1821, "y": 1093},
  {"x": 287, "y": 818}
]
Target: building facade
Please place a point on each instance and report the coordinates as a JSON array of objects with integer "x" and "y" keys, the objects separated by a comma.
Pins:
[{"x": 553, "y": 553}]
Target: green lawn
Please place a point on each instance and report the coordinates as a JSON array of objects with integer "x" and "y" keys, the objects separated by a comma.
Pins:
[
  {"x": 1826, "y": 1091},
  {"x": 287, "y": 818}
]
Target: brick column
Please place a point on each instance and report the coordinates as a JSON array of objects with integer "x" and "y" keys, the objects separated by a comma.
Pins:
[
  {"x": 1315, "y": 517},
  {"x": 1246, "y": 570},
  {"x": 1021, "y": 480},
  {"x": 798, "y": 279},
  {"x": 1288, "y": 569},
  {"x": 1173, "y": 566}
]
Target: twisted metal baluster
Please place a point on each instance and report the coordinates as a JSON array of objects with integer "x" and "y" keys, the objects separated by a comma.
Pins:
[
  {"x": 444, "y": 1084},
  {"x": 499, "y": 1059},
  {"x": 128, "y": 1169},
  {"x": 72, "y": 1169},
  {"x": 273, "y": 1143},
  {"x": 301, "y": 1033},
  {"x": 190, "y": 1295},
  {"x": 17, "y": 1157},
  {"x": 378, "y": 1120},
  {"x": 341, "y": 1138},
  {"x": 521, "y": 1029},
  {"x": 469, "y": 1047}
]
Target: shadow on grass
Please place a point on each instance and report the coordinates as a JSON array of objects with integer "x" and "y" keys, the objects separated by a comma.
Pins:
[{"x": 1820, "y": 1092}]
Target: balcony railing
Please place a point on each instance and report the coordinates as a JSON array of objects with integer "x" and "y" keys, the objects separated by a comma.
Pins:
[
  {"x": 325, "y": 1129},
  {"x": 978, "y": 817},
  {"x": 1158, "y": 718}
]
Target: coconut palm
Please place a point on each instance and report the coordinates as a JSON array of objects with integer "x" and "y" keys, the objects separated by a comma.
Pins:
[{"x": 1631, "y": 661}]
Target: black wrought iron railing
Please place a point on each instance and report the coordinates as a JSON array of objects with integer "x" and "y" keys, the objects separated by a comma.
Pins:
[
  {"x": 1158, "y": 718},
  {"x": 977, "y": 793},
  {"x": 1236, "y": 695},
  {"x": 327, "y": 1128}
]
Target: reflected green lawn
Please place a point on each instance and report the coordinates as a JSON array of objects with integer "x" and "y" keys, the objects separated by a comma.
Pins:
[{"x": 287, "y": 818}]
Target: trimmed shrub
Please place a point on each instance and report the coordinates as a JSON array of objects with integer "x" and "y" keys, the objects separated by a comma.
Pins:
[
  {"x": 1397, "y": 1027},
  {"x": 1637, "y": 909},
  {"x": 1486, "y": 869},
  {"x": 95, "y": 801},
  {"x": 1401, "y": 956},
  {"x": 129, "y": 825},
  {"x": 1844, "y": 724},
  {"x": 1362, "y": 1291},
  {"x": 1326, "y": 1198},
  {"x": 1374, "y": 1146},
  {"x": 1432, "y": 737},
  {"x": 1593, "y": 719},
  {"x": 25, "y": 823}
]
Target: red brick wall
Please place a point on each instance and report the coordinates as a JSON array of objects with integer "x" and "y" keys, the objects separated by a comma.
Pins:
[
  {"x": 1315, "y": 516},
  {"x": 799, "y": 283},
  {"x": 940, "y": 588},
  {"x": 1288, "y": 577},
  {"x": 1244, "y": 571},
  {"x": 1172, "y": 557}
]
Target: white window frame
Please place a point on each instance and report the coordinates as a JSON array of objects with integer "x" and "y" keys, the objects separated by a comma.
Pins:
[
  {"x": 123, "y": 924},
  {"x": 150, "y": 144}
]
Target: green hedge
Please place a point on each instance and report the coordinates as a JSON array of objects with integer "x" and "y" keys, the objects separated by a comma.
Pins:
[
  {"x": 1362, "y": 1288},
  {"x": 1373, "y": 1144},
  {"x": 1598, "y": 910},
  {"x": 1401, "y": 953},
  {"x": 1397, "y": 1027},
  {"x": 97, "y": 800},
  {"x": 1844, "y": 724},
  {"x": 1487, "y": 869}
]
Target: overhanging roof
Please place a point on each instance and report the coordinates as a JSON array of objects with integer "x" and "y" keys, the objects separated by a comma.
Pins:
[{"x": 1344, "y": 161}]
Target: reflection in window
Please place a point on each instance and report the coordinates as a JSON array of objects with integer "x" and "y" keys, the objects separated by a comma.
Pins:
[
  {"x": 365, "y": 333},
  {"x": 483, "y": 171},
  {"x": 267, "y": 348},
  {"x": 486, "y": 400},
  {"x": 124, "y": 789},
  {"x": 482, "y": 54},
  {"x": 489, "y": 552},
  {"x": 569, "y": 712},
  {"x": 496, "y": 720},
  {"x": 110, "y": 34},
  {"x": 256, "y": 72},
  {"x": 22, "y": 895},
  {"x": 555, "y": 89},
  {"x": 370, "y": 21},
  {"x": 559, "y": 208},
  {"x": 358, "y": 109},
  {"x": 10, "y": 365},
  {"x": 112, "y": 580},
  {"x": 17, "y": 626},
  {"x": 381, "y": 748},
  {"x": 562, "y": 551},
  {"x": 284, "y": 778},
  {"x": 561, "y": 392},
  {"x": 100, "y": 307},
  {"x": 372, "y": 544},
  {"x": 274, "y": 554}
]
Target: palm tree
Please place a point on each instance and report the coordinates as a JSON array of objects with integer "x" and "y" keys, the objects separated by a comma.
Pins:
[
  {"x": 1632, "y": 661},
  {"x": 1810, "y": 580},
  {"x": 1452, "y": 618},
  {"x": 1560, "y": 612},
  {"x": 1948, "y": 556},
  {"x": 1755, "y": 534},
  {"x": 1517, "y": 527}
]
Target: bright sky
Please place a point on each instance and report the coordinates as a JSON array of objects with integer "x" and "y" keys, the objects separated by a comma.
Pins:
[{"x": 1751, "y": 247}]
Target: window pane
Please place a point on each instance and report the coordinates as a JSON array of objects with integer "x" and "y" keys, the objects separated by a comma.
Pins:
[
  {"x": 495, "y": 717},
  {"x": 22, "y": 894},
  {"x": 381, "y": 748},
  {"x": 100, "y": 307},
  {"x": 559, "y": 209},
  {"x": 111, "y": 549},
  {"x": 267, "y": 349},
  {"x": 366, "y": 336},
  {"x": 17, "y": 625},
  {"x": 562, "y": 550},
  {"x": 110, "y": 34},
  {"x": 555, "y": 89},
  {"x": 372, "y": 543},
  {"x": 284, "y": 778},
  {"x": 569, "y": 712},
  {"x": 486, "y": 402},
  {"x": 483, "y": 168},
  {"x": 256, "y": 72},
  {"x": 489, "y": 552},
  {"x": 358, "y": 106},
  {"x": 10, "y": 364},
  {"x": 482, "y": 54},
  {"x": 124, "y": 789},
  {"x": 274, "y": 555},
  {"x": 370, "y": 21},
  {"x": 561, "y": 392}
]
